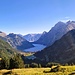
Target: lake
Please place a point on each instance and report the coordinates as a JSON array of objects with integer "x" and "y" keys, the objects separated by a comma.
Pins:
[{"x": 38, "y": 47}]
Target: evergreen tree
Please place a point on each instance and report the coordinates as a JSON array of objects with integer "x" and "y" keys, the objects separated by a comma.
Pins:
[
  {"x": 16, "y": 62},
  {"x": 2, "y": 64},
  {"x": 34, "y": 65}
]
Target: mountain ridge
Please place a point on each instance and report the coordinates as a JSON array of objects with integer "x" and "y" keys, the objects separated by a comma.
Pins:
[
  {"x": 62, "y": 51},
  {"x": 56, "y": 32},
  {"x": 16, "y": 41}
]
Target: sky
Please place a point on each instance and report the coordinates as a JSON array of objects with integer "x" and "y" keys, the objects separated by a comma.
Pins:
[{"x": 34, "y": 16}]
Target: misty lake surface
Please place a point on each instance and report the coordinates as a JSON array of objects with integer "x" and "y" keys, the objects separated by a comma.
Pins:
[{"x": 38, "y": 47}]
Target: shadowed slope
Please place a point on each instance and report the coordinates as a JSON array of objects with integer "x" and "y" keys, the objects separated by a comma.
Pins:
[{"x": 62, "y": 51}]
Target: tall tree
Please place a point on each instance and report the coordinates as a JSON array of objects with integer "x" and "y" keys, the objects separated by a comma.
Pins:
[{"x": 16, "y": 62}]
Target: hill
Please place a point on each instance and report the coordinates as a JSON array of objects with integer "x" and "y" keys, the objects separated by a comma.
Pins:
[
  {"x": 6, "y": 50},
  {"x": 9, "y": 57}
]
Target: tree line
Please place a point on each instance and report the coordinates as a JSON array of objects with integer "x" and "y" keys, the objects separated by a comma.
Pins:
[
  {"x": 17, "y": 62},
  {"x": 14, "y": 62}
]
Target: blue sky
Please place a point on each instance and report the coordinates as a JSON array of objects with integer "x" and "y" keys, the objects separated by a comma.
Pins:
[{"x": 34, "y": 16}]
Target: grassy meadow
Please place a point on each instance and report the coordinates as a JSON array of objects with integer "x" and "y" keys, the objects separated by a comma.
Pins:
[{"x": 70, "y": 70}]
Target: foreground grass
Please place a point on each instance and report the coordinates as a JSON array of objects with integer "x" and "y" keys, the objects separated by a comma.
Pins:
[{"x": 70, "y": 70}]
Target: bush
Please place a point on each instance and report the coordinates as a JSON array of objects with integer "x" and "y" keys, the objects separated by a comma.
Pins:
[
  {"x": 4, "y": 63},
  {"x": 50, "y": 64},
  {"x": 58, "y": 69},
  {"x": 66, "y": 64},
  {"x": 39, "y": 66},
  {"x": 27, "y": 65},
  {"x": 34, "y": 65}
]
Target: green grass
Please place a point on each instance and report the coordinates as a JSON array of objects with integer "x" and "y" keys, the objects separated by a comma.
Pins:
[
  {"x": 38, "y": 71},
  {"x": 25, "y": 54}
]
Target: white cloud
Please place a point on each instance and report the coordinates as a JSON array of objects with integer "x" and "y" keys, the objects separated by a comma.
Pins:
[{"x": 66, "y": 19}]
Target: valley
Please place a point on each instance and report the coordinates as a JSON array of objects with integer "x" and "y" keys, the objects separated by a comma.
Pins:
[
  {"x": 53, "y": 53},
  {"x": 37, "y": 37}
]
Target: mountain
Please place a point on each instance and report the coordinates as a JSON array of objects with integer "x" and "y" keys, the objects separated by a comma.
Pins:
[
  {"x": 41, "y": 39},
  {"x": 32, "y": 37},
  {"x": 9, "y": 57},
  {"x": 2, "y": 34},
  {"x": 56, "y": 33},
  {"x": 6, "y": 51},
  {"x": 20, "y": 35},
  {"x": 62, "y": 51},
  {"x": 18, "y": 42}
]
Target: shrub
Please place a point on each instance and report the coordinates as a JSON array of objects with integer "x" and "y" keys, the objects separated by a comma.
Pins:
[
  {"x": 58, "y": 69},
  {"x": 39, "y": 66},
  {"x": 27, "y": 65},
  {"x": 34, "y": 65},
  {"x": 2, "y": 64},
  {"x": 66, "y": 64},
  {"x": 50, "y": 64}
]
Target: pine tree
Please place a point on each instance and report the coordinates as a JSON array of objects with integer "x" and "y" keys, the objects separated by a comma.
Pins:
[{"x": 16, "y": 62}]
